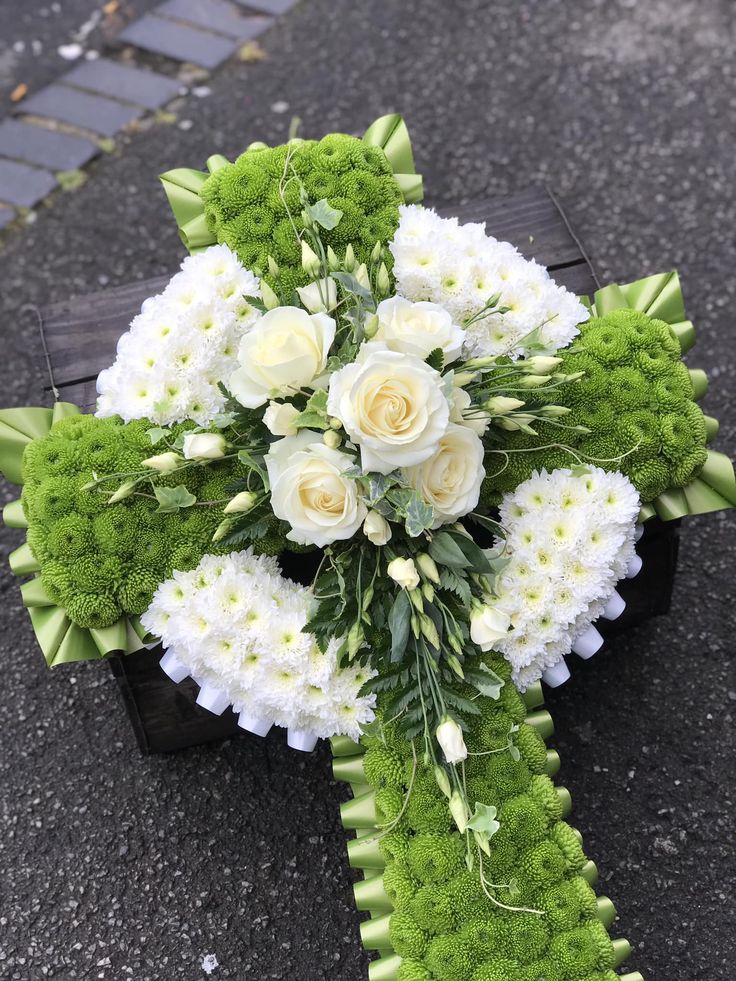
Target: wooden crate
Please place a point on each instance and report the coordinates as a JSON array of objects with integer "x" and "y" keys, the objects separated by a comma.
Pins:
[{"x": 80, "y": 336}]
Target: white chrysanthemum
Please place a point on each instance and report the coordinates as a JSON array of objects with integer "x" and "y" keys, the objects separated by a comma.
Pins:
[
  {"x": 570, "y": 539},
  {"x": 182, "y": 343},
  {"x": 237, "y": 625},
  {"x": 460, "y": 267}
]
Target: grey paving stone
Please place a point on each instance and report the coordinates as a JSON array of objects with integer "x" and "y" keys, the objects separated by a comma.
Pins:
[
  {"x": 179, "y": 41},
  {"x": 47, "y": 148},
  {"x": 215, "y": 15},
  {"x": 83, "y": 109},
  {"x": 6, "y": 216},
  {"x": 24, "y": 186},
  {"x": 138, "y": 85},
  {"x": 274, "y": 7}
]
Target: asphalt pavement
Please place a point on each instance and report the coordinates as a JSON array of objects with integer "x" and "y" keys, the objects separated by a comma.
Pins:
[{"x": 118, "y": 867}]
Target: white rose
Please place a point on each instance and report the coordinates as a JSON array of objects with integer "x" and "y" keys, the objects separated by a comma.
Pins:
[
  {"x": 418, "y": 328},
  {"x": 392, "y": 405},
  {"x": 476, "y": 419},
  {"x": 376, "y": 529},
  {"x": 488, "y": 625},
  {"x": 450, "y": 479},
  {"x": 450, "y": 737},
  {"x": 319, "y": 296},
  {"x": 285, "y": 351},
  {"x": 204, "y": 446},
  {"x": 404, "y": 573},
  {"x": 309, "y": 491},
  {"x": 279, "y": 418}
]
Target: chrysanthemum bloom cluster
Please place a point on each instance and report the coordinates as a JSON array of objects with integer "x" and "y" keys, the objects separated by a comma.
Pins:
[
  {"x": 100, "y": 560},
  {"x": 570, "y": 540},
  {"x": 254, "y": 204},
  {"x": 460, "y": 267},
  {"x": 445, "y": 926},
  {"x": 636, "y": 398},
  {"x": 182, "y": 344},
  {"x": 236, "y": 624}
]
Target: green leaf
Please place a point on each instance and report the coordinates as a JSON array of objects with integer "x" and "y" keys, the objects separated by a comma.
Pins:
[
  {"x": 445, "y": 551},
  {"x": 419, "y": 516},
  {"x": 255, "y": 463},
  {"x": 170, "y": 499},
  {"x": 351, "y": 285},
  {"x": 436, "y": 359},
  {"x": 477, "y": 560},
  {"x": 484, "y": 819},
  {"x": 486, "y": 681},
  {"x": 324, "y": 214},
  {"x": 156, "y": 434},
  {"x": 314, "y": 415},
  {"x": 399, "y": 621},
  {"x": 223, "y": 420}
]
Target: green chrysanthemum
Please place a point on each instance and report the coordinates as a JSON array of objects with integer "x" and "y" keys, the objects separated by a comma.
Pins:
[
  {"x": 407, "y": 937},
  {"x": 254, "y": 204},
  {"x": 634, "y": 387}
]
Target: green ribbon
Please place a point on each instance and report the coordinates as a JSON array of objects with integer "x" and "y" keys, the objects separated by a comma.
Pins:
[
  {"x": 182, "y": 185},
  {"x": 660, "y": 296},
  {"x": 61, "y": 641}
]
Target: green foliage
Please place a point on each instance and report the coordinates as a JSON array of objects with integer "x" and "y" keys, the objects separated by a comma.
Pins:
[
  {"x": 636, "y": 398},
  {"x": 100, "y": 560},
  {"x": 253, "y": 205}
]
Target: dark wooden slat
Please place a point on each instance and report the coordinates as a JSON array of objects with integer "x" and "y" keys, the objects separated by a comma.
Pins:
[{"x": 81, "y": 334}]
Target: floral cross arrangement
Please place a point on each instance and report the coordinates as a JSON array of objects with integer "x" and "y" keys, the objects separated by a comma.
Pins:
[{"x": 468, "y": 449}]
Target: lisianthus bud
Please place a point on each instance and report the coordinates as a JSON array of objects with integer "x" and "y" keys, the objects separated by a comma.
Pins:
[
  {"x": 376, "y": 251},
  {"x": 242, "y": 502},
  {"x": 332, "y": 261},
  {"x": 376, "y": 529},
  {"x": 222, "y": 529},
  {"x": 204, "y": 446},
  {"x": 361, "y": 274},
  {"x": 383, "y": 280},
  {"x": 443, "y": 781},
  {"x": 428, "y": 567},
  {"x": 459, "y": 811},
  {"x": 270, "y": 300},
  {"x": 273, "y": 266},
  {"x": 488, "y": 625},
  {"x": 499, "y": 405},
  {"x": 163, "y": 462},
  {"x": 310, "y": 259},
  {"x": 540, "y": 364},
  {"x": 332, "y": 439},
  {"x": 125, "y": 490},
  {"x": 279, "y": 418},
  {"x": 450, "y": 737},
  {"x": 404, "y": 573},
  {"x": 554, "y": 411},
  {"x": 349, "y": 260},
  {"x": 533, "y": 381},
  {"x": 320, "y": 296},
  {"x": 371, "y": 327}
]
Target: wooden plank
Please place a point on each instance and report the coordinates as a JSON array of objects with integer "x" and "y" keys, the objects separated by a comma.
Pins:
[{"x": 81, "y": 334}]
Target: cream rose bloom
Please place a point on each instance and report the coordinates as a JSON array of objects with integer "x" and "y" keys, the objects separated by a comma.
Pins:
[
  {"x": 450, "y": 479},
  {"x": 309, "y": 491},
  {"x": 418, "y": 328},
  {"x": 392, "y": 405},
  {"x": 286, "y": 350}
]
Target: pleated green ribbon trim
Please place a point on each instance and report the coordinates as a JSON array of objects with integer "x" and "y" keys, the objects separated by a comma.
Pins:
[
  {"x": 660, "y": 296},
  {"x": 61, "y": 641},
  {"x": 182, "y": 185}
]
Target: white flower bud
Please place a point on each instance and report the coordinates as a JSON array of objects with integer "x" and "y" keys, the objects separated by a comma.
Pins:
[
  {"x": 242, "y": 502},
  {"x": 310, "y": 259},
  {"x": 404, "y": 573},
  {"x": 488, "y": 625},
  {"x": 540, "y": 365},
  {"x": 125, "y": 490},
  {"x": 499, "y": 405},
  {"x": 428, "y": 567},
  {"x": 320, "y": 296},
  {"x": 450, "y": 737},
  {"x": 376, "y": 529},
  {"x": 204, "y": 446},
  {"x": 163, "y": 462},
  {"x": 361, "y": 274},
  {"x": 279, "y": 418}
]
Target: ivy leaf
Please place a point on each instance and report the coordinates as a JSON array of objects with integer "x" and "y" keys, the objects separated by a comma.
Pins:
[
  {"x": 419, "y": 516},
  {"x": 436, "y": 359},
  {"x": 314, "y": 415},
  {"x": 484, "y": 819},
  {"x": 156, "y": 434},
  {"x": 351, "y": 285},
  {"x": 486, "y": 681},
  {"x": 324, "y": 214},
  {"x": 399, "y": 621},
  {"x": 170, "y": 499},
  {"x": 223, "y": 419}
]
